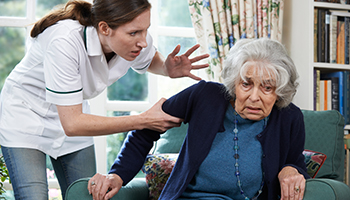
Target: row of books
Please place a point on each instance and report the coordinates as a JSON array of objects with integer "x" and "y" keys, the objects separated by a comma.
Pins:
[
  {"x": 332, "y": 92},
  {"x": 334, "y": 1},
  {"x": 331, "y": 36}
]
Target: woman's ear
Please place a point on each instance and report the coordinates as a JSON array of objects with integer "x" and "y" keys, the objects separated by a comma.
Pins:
[{"x": 103, "y": 28}]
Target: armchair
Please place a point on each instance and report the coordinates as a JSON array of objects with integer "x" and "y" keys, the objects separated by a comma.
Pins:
[{"x": 324, "y": 133}]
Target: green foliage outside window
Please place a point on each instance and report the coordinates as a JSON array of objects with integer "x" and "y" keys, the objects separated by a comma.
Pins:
[
  {"x": 11, "y": 50},
  {"x": 4, "y": 175},
  {"x": 131, "y": 87}
]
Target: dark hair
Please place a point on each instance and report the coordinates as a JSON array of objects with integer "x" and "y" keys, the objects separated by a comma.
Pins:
[{"x": 113, "y": 12}]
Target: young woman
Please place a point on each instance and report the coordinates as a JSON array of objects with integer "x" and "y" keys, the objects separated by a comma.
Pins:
[{"x": 75, "y": 53}]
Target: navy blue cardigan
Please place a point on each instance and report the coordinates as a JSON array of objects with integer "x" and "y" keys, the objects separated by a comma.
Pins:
[{"x": 203, "y": 106}]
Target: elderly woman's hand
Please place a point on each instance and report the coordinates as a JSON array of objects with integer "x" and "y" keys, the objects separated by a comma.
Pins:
[
  {"x": 292, "y": 184},
  {"x": 99, "y": 185}
]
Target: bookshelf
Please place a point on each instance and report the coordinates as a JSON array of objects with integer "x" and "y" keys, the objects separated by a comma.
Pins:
[{"x": 298, "y": 37}]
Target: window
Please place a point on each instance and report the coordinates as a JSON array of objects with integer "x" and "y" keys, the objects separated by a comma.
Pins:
[{"x": 132, "y": 94}]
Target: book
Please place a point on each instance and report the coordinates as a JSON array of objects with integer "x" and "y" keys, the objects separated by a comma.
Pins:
[
  {"x": 343, "y": 13},
  {"x": 341, "y": 41},
  {"x": 326, "y": 37},
  {"x": 321, "y": 96},
  {"x": 333, "y": 38},
  {"x": 346, "y": 39},
  {"x": 346, "y": 96},
  {"x": 328, "y": 95},
  {"x": 317, "y": 89},
  {"x": 334, "y": 93},
  {"x": 340, "y": 76},
  {"x": 315, "y": 34},
  {"x": 321, "y": 19}
]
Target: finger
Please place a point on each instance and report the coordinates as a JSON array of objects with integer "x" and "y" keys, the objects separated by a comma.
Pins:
[
  {"x": 103, "y": 190},
  {"x": 283, "y": 192},
  {"x": 286, "y": 191},
  {"x": 302, "y": 189},
  {"x": 194, "y": 77},
  {"x": 198, "y": 58},
  {"x": 200, "y": 66},
  {"x": 191, "y": 50},
  {"x": 90, "y": 184},
  {"x": 172, "y": 119},
  {"x": 111, "y": 193},
  {"x": 94, "y": 192},
  {"x": 175, "y": 51},
  {"x": 162, "y": 100}
]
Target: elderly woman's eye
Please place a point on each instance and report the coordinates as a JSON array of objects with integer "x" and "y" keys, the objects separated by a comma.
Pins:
[
  {"x": 245, "y": 84},
  {"x": 268, "y": 88}
]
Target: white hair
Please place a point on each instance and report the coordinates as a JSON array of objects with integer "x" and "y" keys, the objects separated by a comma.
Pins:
[{"x": 269, "y": 57}]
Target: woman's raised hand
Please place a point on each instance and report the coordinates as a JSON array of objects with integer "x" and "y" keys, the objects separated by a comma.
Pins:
[{"x": 181, "y": 66}]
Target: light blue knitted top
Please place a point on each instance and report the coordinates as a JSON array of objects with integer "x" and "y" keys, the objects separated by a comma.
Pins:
[{"x": 215, "y": 178}]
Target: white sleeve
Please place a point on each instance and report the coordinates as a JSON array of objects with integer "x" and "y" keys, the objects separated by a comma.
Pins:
[{"x": 62, "y": 77}]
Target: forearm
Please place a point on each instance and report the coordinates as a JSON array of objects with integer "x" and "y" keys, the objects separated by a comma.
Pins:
[
  {"x": 136, "y": 146},
  {"x": 93, "y": 125},
  {"x": 157, "y": 65},
  {"x": 76, "y": 123}
]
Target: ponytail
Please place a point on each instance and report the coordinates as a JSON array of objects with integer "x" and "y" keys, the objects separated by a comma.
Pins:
[{"x": 76, "y": 10}]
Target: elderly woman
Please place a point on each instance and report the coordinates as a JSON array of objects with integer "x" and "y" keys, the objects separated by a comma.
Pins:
[{"x": 245, "y": 137}]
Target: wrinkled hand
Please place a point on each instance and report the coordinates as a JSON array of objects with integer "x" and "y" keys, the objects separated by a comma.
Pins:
[
  {"x": 156, "y": 119},
  {"x": 99, "y": 185},
  {"x": 181, "y": 66},
  {"x": 292, "y": 184}
]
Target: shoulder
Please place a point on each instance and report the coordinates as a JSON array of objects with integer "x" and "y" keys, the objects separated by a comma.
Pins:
[
  {"x": 291, "y": 109},
  {"x": 70, "y": 31},
  {"x": 291, "y": 112},
  {"x": 200, "y": 97},
  {"x": 209, "y": 87}
]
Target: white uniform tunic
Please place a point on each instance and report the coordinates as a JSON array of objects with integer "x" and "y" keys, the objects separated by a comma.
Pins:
[{"x": 60, "y": 68}]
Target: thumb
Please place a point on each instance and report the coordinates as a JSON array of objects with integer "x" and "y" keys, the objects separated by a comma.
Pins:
[{"x": 161, "y": 101}]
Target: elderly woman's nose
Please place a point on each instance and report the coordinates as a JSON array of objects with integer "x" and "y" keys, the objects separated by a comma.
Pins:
[{"x": 254, "y": 94}]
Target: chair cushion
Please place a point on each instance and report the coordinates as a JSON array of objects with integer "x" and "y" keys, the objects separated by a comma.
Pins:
[
  {"x": 157, "y": 168},
  {"x": 171, "y": 141},
  {"x": 314, "y": 161},
  {"x": 324, "y": 132}
]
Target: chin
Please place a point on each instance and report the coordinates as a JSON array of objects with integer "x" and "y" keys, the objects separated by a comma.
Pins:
[
  {"x": 255, "y": 117},
  {"x": 129, "y": 58}
]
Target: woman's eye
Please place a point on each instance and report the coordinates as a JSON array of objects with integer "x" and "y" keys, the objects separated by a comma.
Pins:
[
  {"x": 133, "y": 33},
  {"x": 245, "y": 84},
  {"x": 268, "y": 88}
]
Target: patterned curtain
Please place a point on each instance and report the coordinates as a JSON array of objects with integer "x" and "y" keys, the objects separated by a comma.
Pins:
[{"x": 219, "y": 24}]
